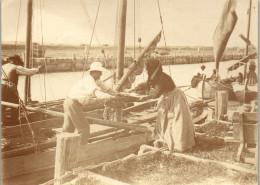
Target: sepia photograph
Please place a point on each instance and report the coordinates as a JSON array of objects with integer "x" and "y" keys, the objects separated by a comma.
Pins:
[{"x": 129, "y": 92}]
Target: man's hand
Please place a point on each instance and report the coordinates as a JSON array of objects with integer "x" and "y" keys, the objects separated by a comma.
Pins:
[{"x": 40, "y": 67}]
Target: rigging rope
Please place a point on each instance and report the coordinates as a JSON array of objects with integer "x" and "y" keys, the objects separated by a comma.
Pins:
[
  {"x": 44, "y": 79},
  {"x": 17, "y": 26},
  {"x": 134, "y": 29},
  {"x": 139, "y": 24},
  {"x": 89, "y": 21},
  {"x": 163, "y": 35},
  {"x": 93, "y": 30}
]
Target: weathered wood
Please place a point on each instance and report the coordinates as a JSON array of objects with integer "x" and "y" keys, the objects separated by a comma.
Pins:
[
  {"x": 241, "y": 138},
  {"x": 118, "y": 125},
  {"x": 250, "y": 132},
  {"x": 121, "y": 38},
  {"x": 26, "y": 164},
  {"x": 103, "y": 148},
  {"x": 248, "y": 117},
  {"x": 221, "y": 104},
  {"x": 141, "y": 106},
  {"x": 66, "y": 157},
  {"x": 16, "y": 130}
]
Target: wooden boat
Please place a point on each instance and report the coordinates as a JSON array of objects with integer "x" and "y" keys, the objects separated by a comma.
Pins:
[
  {"x": 35, "y": 164},
  {"x": 207, "y": 89},
  {"x": 245, "y": 96}
]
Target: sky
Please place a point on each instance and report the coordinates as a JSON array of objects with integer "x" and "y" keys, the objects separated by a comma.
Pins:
[{"x": 185, "y": 22}]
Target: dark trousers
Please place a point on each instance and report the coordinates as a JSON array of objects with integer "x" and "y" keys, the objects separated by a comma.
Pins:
[{"x": 9, "y": 116}]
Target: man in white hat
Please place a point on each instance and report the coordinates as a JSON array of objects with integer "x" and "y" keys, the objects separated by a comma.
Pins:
[{"x": 85, "y": 91}]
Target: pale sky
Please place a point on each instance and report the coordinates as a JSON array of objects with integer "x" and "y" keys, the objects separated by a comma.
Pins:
[{"x": 186, "y": 22}]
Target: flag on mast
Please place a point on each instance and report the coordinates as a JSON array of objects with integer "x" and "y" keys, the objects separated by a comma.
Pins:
[{"x": 224, "y": 29}]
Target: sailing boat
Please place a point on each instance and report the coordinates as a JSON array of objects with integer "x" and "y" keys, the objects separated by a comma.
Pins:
[
  {"x": 226, "y": 24},
  {"x": 246, "y": 93}
]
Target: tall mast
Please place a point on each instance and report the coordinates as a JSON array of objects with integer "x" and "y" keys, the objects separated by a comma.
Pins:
[
  {"x": 247, "y": 36},
  {"x": 27, "y": 90},
  {"x": 121, "y": 39}
]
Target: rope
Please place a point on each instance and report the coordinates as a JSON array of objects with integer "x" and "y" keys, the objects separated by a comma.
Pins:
[
  {"x": 21, "y": 106},
  {"x": 93, "y": 30},
  {"x": 163, "y": 35},
  {"x": 44, "y": 79},
  {"x": 139, "y": 24},
  {"x": 134, "y": 28},
  {"x": 17, "y": 25},
  {"x": 89, "y": 20}
]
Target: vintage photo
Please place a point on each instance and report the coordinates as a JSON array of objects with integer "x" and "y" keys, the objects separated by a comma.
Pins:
[{"x": 129, "y": 92}]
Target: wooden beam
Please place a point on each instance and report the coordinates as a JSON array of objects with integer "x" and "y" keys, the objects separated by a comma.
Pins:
[
  {"x": 221, "y": 104},
  {"x": 138, "y": 107}
]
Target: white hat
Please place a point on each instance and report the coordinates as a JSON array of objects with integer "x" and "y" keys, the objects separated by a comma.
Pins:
[{"x": 96, "y": 66}]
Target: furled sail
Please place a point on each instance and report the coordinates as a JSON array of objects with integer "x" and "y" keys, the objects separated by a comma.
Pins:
[
  {"x": 242, "y": 61},
  {"x": 136, "y": 68},
  {"x": 224, "y": 29}
]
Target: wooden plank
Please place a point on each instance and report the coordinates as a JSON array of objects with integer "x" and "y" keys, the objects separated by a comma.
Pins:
[
  {"x": 221, "y": 104},
  {"x": 103, "y": 148},
  {"x": 26, "y": 164},
  {"x": 250, "y": 132},
  {"x": 118, "y": 125},
  {"x": 16, "y": 130},
  {"x": 248, "y": 117},
  {"x": 141, "y": 106}
]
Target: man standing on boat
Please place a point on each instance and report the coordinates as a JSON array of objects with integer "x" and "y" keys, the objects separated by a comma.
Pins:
[
  {"x": 11, "y": 69},
  {"x": 87, "y": 90}
]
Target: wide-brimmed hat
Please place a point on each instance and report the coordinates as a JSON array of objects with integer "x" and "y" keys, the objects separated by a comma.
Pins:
[{"x": 96, "y": 66}]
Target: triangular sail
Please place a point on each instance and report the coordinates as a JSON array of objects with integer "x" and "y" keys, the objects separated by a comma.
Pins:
[{"x": 224, "y": 29}]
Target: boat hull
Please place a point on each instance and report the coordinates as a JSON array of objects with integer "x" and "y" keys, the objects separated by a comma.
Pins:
[
  {"x": 208, "y": 89},
  {"x": 245, "y": 96}
]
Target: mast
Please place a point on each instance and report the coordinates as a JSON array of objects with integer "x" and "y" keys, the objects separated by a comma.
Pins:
[
  {"x": 247, "y": 36},
  {"x": 27, "y": 90},
  {"x": 121, "y": 39}
]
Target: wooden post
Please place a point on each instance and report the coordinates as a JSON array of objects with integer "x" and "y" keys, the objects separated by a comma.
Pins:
[
  {"x": 74, "y": 63},
  {"x": 66, "y": 158},
  {"x": 221, "y": 105},
  {"x": 121, "y": 39},
  {"x": 27, "y": 87}
]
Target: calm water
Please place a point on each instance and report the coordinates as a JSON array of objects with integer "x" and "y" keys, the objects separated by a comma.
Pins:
[{"x": 56, "y": 85}]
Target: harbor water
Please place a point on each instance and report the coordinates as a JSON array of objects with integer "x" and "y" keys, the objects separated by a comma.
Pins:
[{"x": 54, "y": 86}]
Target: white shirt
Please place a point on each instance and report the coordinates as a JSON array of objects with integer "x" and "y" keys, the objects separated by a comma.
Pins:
[
  {"x": 25, "y": 71},
  {"x": 87, "y": 89}
]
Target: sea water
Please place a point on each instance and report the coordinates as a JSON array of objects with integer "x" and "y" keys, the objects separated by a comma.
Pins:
[{"x": 53, "y": 86}]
